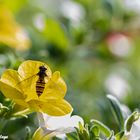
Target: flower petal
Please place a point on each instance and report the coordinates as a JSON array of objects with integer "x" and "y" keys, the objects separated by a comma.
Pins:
[
  {"x": 135, "y": 130},
  {"x": 30, "y": 68},
  {"x": 28, "y": 87},
  {"x": 55, "y": 88},
  {"x": 11, "y": 78},
  {"x": 10, "y": 92},
  {"x": 21, "y": 102},
  {"x": 41, "y": 134},
  {"x": 25, "y": 87},
  {"x": 38, "y": 135},
  {"x": 11, "y": 33},
  {"x": 75, "y": 120},
  {"x": 56, "y": 122},
  {"x": 53, "y": 107}
]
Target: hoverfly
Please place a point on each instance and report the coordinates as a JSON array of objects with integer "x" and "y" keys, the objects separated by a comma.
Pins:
[{"x": 40, "y": 83}]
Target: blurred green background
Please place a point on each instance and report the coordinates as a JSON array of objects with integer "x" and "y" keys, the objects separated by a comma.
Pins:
[{"x": 94, "y": 44}]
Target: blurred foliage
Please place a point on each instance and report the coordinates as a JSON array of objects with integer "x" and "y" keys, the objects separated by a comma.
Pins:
[{"x": 95, "y": 45}]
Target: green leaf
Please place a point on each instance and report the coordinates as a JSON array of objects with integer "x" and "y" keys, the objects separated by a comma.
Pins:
[
  {"x": 28, "y": 133},
  {"x": 95, "y": 130},
  {"x": 83, "y": 132},
  {"x": 3, "y": 107},
  {"x": 111, "y": 136},
  {"x": 22, "y": 113},
  {"x": 119, "y": 135},
  {"x": 72, "y": 136},
  {"x": 3, "y": 110},
  {"x": 104, "y": 129},
  {"x": 130, "y": 120},
  {"x": 116, "y": 108},
  {"x": 55, "y": 34},
  {"x": 81, "y": 127}
]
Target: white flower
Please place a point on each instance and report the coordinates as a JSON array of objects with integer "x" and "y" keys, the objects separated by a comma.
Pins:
[
  {"x": 58, "y": 126},
  {"x": 135, "y": 131}
]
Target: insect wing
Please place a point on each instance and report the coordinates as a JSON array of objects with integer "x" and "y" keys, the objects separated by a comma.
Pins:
[{"x": 28, "y": 83}]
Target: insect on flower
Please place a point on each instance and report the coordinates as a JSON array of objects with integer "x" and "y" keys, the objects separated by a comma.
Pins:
[
  {"x": 34, "y": 86},
  {"x": 40, "y": 83}
]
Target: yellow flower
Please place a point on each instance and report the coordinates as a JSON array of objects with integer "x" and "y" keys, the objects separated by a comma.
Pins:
[
  {"x": 11, "y": 32},
  {"x": 22, "y": 87}
]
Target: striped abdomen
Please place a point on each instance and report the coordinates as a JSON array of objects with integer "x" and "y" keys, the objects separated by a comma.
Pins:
[{"x": 40, "y": 85}]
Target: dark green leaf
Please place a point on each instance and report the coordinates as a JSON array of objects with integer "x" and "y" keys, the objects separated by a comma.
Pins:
[
  {"x": 119, "y": 135},
  {"x": 116, "y": 108},
  {"x": 130, "y": 120}
]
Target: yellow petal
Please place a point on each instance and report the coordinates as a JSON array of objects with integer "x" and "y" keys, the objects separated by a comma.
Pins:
[
  {"x": 40, "y": 135},
  {"x": 55, "y": 76},
  {"x": 28, "y": 87},
  {"x": 11, "y": 33},
  {"x": 10, "y": 92},
  {"x": 29, "y": 68},
  {"x": 11, "y": 78},
  {"x": 55, "y": 88},
  {"x": 21, "y": 102},
  {"x": 31, "y": 95},
  {"x": 53, "y": 107}
]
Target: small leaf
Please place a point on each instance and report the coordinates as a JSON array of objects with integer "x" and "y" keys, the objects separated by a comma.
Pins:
[
  {"x": 83, "y": 132},
  {"x": 3, "y": 107},
  {"x": 104, "y": 129},
  {"x": 72, "y": 136},
  {"x": 22, "y": 113},
  {"x": 81, "y": 127},
  {"x": 3, "y": 110},
  {"x": 111, "y": 136},
  {"x": 28, "y": 131},
  {"x": 86, "y": 135},
  {"x": 95, "y": 132},
  {"x": 130, "y": 120},
  {"x": 119, "y": 135},
  {"x": 116, "y": 108}
]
